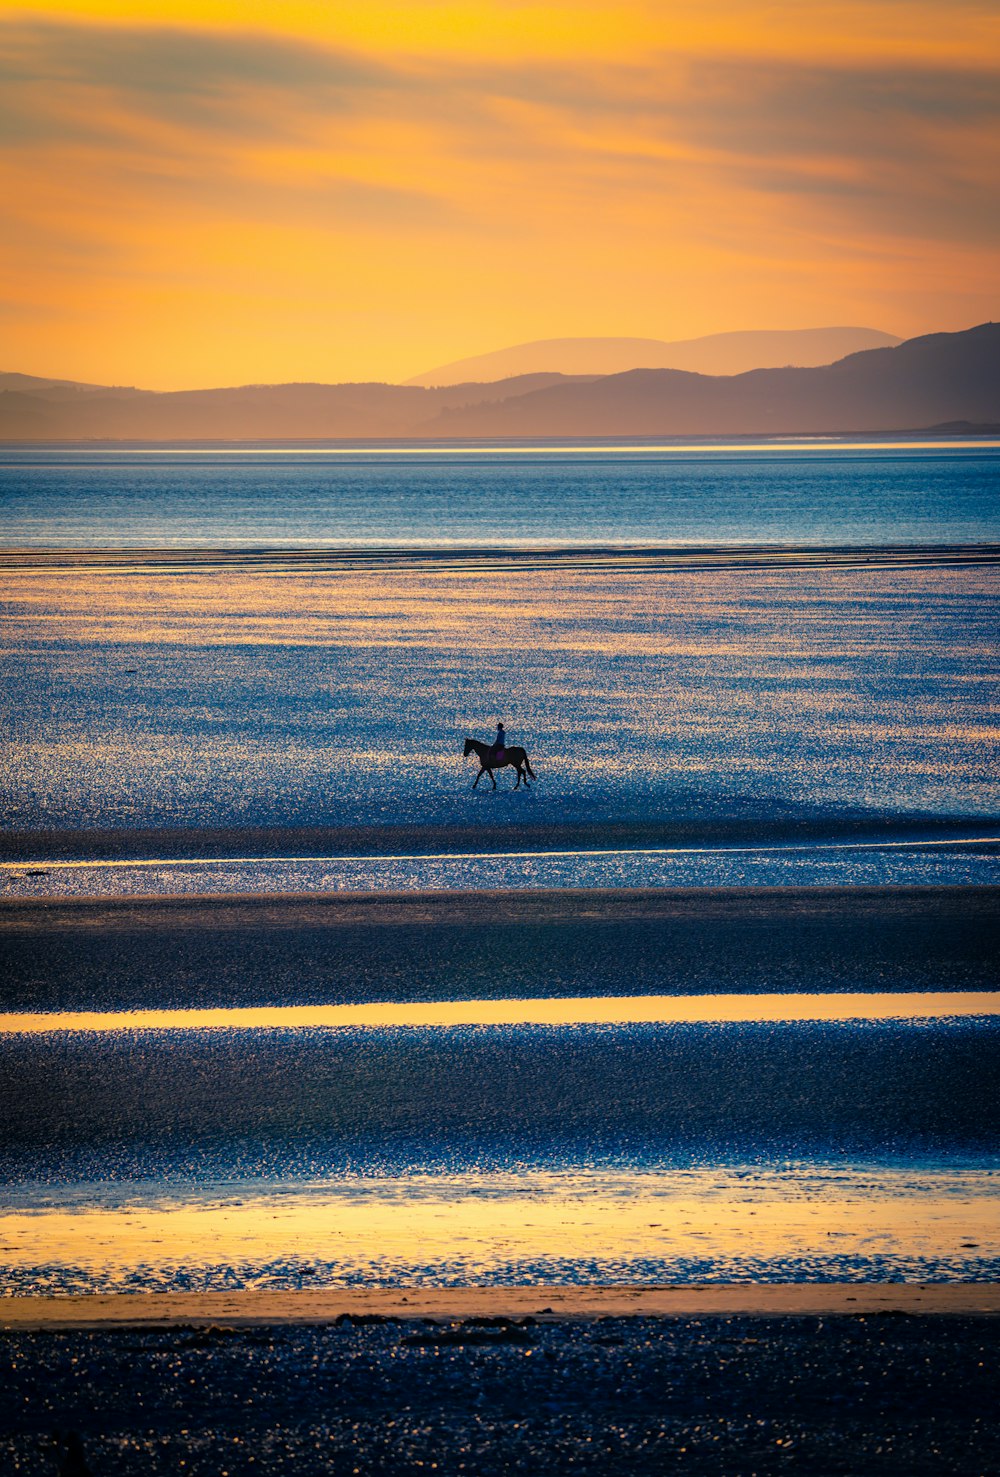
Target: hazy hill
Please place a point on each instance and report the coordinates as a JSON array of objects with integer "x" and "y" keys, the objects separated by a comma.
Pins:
[
  {"x": 923, "y": 382},
  {"x": 717, "y": 353},
  {"x": 47, "y": 389},
  {"x": 245, "y": 413},
  {"x": 941, "y": 379}
]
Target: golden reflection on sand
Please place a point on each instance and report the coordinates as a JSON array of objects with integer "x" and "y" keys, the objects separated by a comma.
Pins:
[
  {"x": 574, "y": 1011},
  {"x": 582, "y": 610},
  {"x": 467, "y": 449},
  {"x": 383, "y": 1228}
]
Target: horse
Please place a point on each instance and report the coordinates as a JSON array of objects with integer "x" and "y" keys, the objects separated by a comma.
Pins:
[{"x": 488, "y": 761}]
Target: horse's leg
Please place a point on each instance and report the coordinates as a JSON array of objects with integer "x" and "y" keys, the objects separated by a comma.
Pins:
[
  {"x": 492, "y": 777},
  {"x": 517, "y": 771},
  {"x": 479, "y": 777}
]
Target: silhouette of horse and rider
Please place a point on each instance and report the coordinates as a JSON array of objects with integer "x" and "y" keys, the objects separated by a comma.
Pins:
[{"x": 497, "y": 756}]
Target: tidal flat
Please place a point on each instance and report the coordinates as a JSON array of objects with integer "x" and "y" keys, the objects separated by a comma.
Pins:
[
  {"x": 710, "y": 1010},
  {"x": 261, "y": 700},
  {"x": 885, "y": 1393},
  {"x": 830, "y": 718}
]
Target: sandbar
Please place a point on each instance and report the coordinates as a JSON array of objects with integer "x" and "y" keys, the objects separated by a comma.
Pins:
[
  {"x": 765, "y": 1300},
  {"x": 212, "y": 951},
  {"x": 484, "y": 559}
]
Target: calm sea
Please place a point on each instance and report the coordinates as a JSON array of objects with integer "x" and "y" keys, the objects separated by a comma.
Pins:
[{"x": 825, "y": 491}]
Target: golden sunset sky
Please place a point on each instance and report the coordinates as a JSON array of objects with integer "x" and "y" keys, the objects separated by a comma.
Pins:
[{"x": 220, "y": 192}]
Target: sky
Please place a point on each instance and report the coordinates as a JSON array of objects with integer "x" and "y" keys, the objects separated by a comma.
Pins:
[{"x": 214, "y": 193}]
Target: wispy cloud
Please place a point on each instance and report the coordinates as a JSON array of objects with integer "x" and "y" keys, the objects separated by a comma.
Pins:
[
  {"x": 123, "y": 141},
  {"x": 182, "y": 72}
]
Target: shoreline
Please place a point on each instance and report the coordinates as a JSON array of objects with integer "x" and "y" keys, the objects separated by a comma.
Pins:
[
  {"x": 541, "y": 1303},
  {"x": 474, "y": 558},
  {"x": 880, "y": 902},
  {"x": 24, "y": 846}
]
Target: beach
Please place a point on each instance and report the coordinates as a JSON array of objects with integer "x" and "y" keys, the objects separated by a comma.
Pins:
[
  {"x": 287, "y": 1307},
  {"x": 448, "y": 1088},
  {"x": 502, "y": 1305},
  {"x": 187, "y": 951},
  {"x": 642, "y": 1119},
  {"x": 880, "y": 1390},
  {"x": 499, "y": 739}
]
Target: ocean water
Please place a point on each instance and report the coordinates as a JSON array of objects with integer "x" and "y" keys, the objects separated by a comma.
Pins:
[
  {"x": 823, "y": 491},
  {"x": 793, "y": 725}
]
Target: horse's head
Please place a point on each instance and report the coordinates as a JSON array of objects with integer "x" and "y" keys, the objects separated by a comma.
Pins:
[{"x": 470, "y": 748}]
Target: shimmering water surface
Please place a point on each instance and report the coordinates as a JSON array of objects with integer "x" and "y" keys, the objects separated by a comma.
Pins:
[
  {"x": 824, "y": 1137},
  {"x": 241, "y": 697},
  {"x": 800, "y": 724},
  {"x": 603, "y": 1010},
  {"x": 729, "y": 1224},
  {"x": 974, "y": 861},
  {"x": 823, "y": 491}
]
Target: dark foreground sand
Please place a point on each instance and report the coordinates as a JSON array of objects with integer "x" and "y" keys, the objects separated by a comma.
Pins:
[
  {"x": 184, "y": 952},
  {"x": 886, "y": 1391}
]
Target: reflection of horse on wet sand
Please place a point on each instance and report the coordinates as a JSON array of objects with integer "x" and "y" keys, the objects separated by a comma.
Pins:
[{"x": 490, "y": 760}]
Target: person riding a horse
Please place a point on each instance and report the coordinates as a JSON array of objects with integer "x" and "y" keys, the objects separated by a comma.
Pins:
[{"x": 499, "y": 755}]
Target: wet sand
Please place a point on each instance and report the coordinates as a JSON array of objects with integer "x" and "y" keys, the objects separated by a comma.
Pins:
[
  {"x": 740, "y": 1377},
  {"x": 721, "y": 704},
  {"x": 41, "y": 844},
  {"x": 716, "y": 1231},
  {"x": 636, "y": 1396},
  {"x": 555, "y": 1303},
  {"x": 608, "y": 558},
  {"x": 771, "y": 905},
  {"x": 189, "y": 952}
]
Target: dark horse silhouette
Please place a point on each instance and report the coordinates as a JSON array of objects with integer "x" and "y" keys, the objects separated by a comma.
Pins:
[{"x": 488, "y": 761}]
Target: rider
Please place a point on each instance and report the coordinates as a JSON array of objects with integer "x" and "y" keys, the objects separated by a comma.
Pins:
[{"x": 500, "y": 743}]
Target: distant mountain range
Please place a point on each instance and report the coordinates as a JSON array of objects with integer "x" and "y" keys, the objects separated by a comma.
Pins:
[
  {"x": 54, "y": 410},
  {"x": 943, "y": 380},
  {"x": 924, "y": 382},
  {"x": 717, "y": 353}
]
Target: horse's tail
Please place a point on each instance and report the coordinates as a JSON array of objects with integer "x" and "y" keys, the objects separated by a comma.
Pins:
[{"x": 527, "y": 765}]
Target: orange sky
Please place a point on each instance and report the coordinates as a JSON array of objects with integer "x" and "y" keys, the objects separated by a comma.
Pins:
[{"x": 221, "y": 192}]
